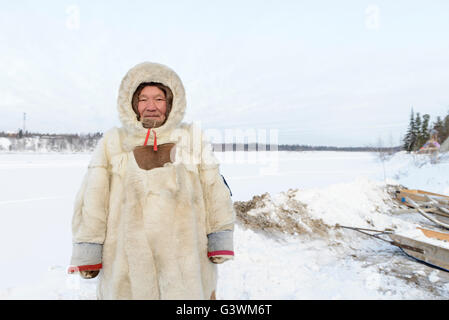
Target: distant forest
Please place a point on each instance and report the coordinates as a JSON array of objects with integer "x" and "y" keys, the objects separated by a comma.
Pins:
[
  {"x": 298, "y": 147},
  {"x": 420, "y": 130},
  {"x": 38, "y": 142}
]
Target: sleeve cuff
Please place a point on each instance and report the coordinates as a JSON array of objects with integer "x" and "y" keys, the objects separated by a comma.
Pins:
[
  {"x": 74, "y": 269},
  {"x": 86, "y": 257},
  {"x": 220, "y": 253},
  {"x": 220, "y": 244}
]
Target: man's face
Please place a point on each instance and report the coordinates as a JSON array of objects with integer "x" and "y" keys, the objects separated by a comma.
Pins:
[{"x": 152, "y": 107}]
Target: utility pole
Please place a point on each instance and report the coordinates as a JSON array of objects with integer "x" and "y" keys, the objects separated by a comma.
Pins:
[{"x": 24, "y": 121}]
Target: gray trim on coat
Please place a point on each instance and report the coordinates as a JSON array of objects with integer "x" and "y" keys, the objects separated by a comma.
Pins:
[
  {"x": 85, "y": 253},
  {"x": 220, "y": 240}
]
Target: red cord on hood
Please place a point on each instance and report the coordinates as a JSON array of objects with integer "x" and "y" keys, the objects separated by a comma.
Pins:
[{"x": 155, "y": 140}]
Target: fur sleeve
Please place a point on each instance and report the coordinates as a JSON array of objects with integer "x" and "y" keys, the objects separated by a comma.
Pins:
[
  {"x": 91, "y": 204},
  {"x": 217, "y": 196}
]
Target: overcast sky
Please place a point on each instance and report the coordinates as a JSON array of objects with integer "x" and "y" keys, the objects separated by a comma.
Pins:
[{"x": 342, "y": 73}]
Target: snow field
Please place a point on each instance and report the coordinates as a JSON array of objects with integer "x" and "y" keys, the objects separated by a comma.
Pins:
[{"x": 317, "y": 261}]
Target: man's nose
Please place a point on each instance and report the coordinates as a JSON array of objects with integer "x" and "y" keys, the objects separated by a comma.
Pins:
[{"x": 151, "y": 105}]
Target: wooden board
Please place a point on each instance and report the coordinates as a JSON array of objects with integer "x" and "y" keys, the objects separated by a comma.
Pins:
[
  {"x": 440, "y": 217},
  {"x": 413, "y": 210},
  {"x": 439, "y": 213},
  {"x": 435, "y": 255},
  {"x": 435, "y": 234},
  {"x": 417, "y": 191},
  {"x": 418, "y": 195}
]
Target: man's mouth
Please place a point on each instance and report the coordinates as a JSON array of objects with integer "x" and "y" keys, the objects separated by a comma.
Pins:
[{"x": 152, "y": 120}]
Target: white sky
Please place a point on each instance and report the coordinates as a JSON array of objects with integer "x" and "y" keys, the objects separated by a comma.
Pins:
[{"x": 342, "y": 73}]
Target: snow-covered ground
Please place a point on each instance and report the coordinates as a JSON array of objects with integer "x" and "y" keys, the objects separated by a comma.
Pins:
[{"x": 312, "y": 259}]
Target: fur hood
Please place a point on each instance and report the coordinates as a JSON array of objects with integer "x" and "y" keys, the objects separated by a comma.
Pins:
[{"x": 150, "y": 72}]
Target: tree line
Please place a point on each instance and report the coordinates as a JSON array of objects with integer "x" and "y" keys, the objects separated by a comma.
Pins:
[
  {"x": 420, "y": 130},
  {"x": 49, "y": 142},
  {"x": 297, "y": 147}
]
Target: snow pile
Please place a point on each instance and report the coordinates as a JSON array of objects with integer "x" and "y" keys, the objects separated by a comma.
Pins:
[
  {"x": 320, "y": 212},
  {"x": 282, "y": 213},
  {"x": 363, "y": 203},
  {"x": 306, "y": 255}
]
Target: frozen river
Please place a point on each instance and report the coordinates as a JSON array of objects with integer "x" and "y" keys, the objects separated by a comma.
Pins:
[{"x": 37, "y": 193}]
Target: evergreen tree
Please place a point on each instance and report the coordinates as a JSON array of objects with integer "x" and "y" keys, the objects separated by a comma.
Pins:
[
  {"x": 409, "y": 139},
  {"x": 438, "y": 126},
  {"x": 417, "y": 131},
  {"x": 425, "y": 130},
  {"x": 445, "y": 130}
]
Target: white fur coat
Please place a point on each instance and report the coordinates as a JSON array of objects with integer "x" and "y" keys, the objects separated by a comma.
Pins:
[{"x": 153, "y": 224}]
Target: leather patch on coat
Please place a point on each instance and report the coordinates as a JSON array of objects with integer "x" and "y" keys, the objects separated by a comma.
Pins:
[{"x": 148, "y": 159}]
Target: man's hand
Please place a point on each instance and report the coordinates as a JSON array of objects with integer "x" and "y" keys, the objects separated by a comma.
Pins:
[
  {"x": 89, "y": 274},
  {"x": 220, "y": 259}
]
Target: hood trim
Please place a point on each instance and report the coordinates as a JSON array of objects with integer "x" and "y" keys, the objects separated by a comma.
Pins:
[{"x": 150, "y": 72}]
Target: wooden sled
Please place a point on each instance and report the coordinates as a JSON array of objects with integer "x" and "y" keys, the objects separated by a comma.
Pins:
[
  {"x": 433, "y": 206},
  {"x": 421, "y": 196},
  {"x": 428, "y": 253}
]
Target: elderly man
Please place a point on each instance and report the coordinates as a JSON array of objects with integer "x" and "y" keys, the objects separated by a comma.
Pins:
[{"x": 153, "y": 216}]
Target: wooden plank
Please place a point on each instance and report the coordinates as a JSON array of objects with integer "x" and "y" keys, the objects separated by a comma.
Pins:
[
  {"x": 417, "y": 191},
  {"x": 419, "y": 195},
  {"x": 435, "y": 234},
  {"x": 439, "y": 213},
  {"x": 424, "y": 251},
  {"x": 423, "y": 204},
  {"x": 413, "y": 210},
  {"x": 439, "y": 221},
  {"x": 416, "y": 197},
  {"x": 440, "y": 204},
  {"x": 438, "y": 216},
  {"x": 401, "y": 196}
]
